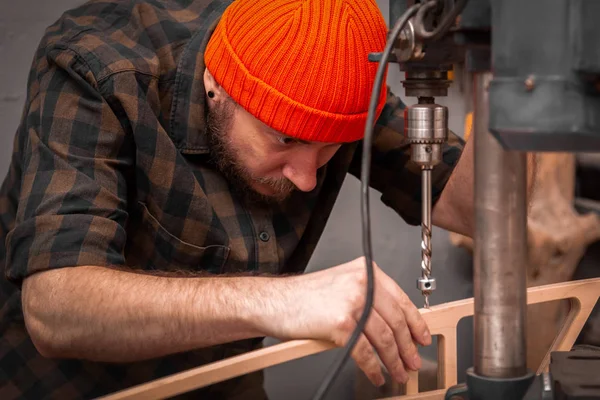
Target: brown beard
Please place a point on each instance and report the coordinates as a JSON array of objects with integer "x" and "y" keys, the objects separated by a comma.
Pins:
[{"x": 227, "y": 160}]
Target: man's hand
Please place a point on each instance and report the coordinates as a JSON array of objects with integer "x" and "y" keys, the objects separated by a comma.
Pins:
[{"x": 328, "y": 304}]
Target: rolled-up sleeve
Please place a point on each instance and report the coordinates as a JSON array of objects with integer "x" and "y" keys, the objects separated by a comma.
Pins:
[
  {"x": 393, "y": 174},
  {"x": 72, "y": 205}
]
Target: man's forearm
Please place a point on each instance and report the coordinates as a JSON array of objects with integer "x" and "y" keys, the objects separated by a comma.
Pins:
[
  {"x": 111, "y": 315},
  {"x": 454, "y": 210}
]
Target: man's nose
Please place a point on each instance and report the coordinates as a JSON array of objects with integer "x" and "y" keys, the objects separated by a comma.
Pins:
[{"x": 301, "y": 170}]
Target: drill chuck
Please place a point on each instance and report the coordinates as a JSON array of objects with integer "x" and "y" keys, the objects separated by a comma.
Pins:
[{"x": 426, "y": 129}]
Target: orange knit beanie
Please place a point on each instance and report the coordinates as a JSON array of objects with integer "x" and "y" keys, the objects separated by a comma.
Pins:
[{"x": 300, "y": 66}]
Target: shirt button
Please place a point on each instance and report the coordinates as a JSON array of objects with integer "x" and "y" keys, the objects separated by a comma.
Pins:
[{"x": 264, "y": 236}]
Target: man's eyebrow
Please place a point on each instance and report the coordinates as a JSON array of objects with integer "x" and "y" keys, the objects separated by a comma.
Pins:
[
  {"x": 298, "y": 140},
  {"x": 277, "y": 133},
  {"x": 274, "y": 132}
]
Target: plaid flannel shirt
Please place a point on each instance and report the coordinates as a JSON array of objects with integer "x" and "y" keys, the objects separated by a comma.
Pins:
[{"x": 110, "y": 168}]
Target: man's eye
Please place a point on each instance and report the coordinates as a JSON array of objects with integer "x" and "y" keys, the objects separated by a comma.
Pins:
[{"x": 286, "y": 140}]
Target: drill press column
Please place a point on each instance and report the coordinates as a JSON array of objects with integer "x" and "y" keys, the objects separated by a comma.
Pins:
[{"x": 500, "y": 256}]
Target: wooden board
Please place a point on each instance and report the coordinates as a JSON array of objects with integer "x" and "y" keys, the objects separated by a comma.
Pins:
[
  {"x": 442, "y": 320},
  {"x": 439, "y": 394}
]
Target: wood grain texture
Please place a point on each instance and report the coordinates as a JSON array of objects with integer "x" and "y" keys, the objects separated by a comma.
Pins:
[{"x": 442, "y": 320}]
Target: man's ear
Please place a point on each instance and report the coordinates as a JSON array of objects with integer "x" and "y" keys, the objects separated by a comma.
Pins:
[{"x": 212, "y": 87}]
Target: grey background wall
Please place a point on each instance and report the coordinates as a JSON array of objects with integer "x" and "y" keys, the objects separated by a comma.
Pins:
[{"x": 396, "y": 245}]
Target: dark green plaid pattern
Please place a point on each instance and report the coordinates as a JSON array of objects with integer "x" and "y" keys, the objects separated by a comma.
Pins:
[{"x": 110, "y": 167}]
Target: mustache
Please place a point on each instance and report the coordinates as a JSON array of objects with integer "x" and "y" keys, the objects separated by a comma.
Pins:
[{"x": 279, "y": 185}]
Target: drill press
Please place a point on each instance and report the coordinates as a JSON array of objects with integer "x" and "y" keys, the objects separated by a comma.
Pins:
[{"x": 535, "y": 72}]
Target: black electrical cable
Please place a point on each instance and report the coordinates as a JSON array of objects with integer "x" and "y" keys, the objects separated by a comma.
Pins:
[
  {"x": 366, "y": 219},
  {"x": 443, "y": 26}
]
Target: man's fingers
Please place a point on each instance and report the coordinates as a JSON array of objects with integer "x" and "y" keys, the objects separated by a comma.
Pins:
[
  {"x": 406, "y": 346},
  {"x": 414, "y": 319},
  {"x": 365, "y": 358},
  {"x": 383, "y": 339},
  {"x": 395, "y": 320},
  {"x": 399, "y": 300},
  {"x": 362, "y": 353}
]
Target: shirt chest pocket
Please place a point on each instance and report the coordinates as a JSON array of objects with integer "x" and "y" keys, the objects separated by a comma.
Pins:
[{"x": 151, "y": 247}]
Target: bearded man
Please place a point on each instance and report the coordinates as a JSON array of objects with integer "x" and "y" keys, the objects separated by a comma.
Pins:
[{"x": 173, "y": 171}]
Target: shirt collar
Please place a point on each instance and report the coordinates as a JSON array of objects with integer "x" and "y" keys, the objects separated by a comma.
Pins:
[{"x": 188, "y": 110}]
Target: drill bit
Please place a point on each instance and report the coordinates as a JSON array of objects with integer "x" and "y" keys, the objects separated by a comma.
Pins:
[{"x": 426, "y": 231}]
